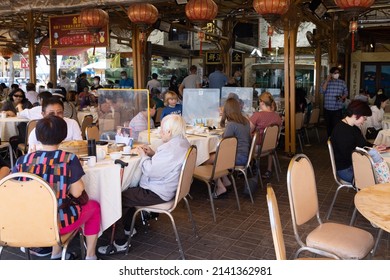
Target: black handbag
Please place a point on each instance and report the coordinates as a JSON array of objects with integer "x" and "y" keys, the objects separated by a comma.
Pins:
[{"x": 371, "y": 133}]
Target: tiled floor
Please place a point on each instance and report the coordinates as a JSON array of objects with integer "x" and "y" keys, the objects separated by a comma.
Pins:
[{"x": 237, "y": 234}]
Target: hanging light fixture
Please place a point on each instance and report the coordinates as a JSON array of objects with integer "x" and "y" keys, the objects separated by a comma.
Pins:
[
  {"x": 94, "y": 20},
  {"x": 6, "y": 53},
  {"x": 143, "y": 15},
  {"x": 201, "y": 11},
  {"x": 271, "y": 10}
]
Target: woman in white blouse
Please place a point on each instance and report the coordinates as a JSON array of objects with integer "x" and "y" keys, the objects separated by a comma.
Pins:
[{"x": 378, "y": 111}]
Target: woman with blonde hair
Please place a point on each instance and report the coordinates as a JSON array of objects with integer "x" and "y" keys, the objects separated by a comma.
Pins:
[
  {"x": 236, "y": 125},
  {"x": 264, "y": 118}
]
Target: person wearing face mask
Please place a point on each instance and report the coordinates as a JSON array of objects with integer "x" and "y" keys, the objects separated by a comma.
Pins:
[
  {"x": 64, "y": 81},
  {"x": 335, "y": 92},
  {"x": 237, "y": 77},
  {"x": 126, "y": 82},
  {"x": 96, "y": 84}
]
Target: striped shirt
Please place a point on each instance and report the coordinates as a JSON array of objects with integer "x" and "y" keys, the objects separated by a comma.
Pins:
[{"x": 334, "y": 89}]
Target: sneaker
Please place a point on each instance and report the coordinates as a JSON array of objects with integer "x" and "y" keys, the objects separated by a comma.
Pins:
[
  {"x": 127, "y": 232},
  {"x": 267, "y": 175},
  {"x": 112, "y": 249},
  {"x": 39, "y": 252}
]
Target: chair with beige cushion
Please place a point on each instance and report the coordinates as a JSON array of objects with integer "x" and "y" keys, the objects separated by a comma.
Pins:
[
  {"x": 244, "y": 169},
  {"x": 224, "y": 164},
  {"x": 313, "y": 124},
  {"x": 276, "y": 226},
  {"x": 29, "y": 215},
  {"x": 340, "y": 182},
  {"x": 183, "y": 189},
  {"x": 23, "y": 147},
  {"x": 87, "y": 121},
  {"x": 299, "y": 119},
  {"x": 331, "y": 240},
  {"x": 364, "y": 176}
]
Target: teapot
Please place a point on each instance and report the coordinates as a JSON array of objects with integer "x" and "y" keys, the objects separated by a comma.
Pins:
[{"x": 100, "y": 153}]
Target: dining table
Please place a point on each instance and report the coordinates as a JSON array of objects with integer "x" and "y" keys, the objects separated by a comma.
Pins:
[
  {"x": 374, "y": 204},
  {"x": 104, "y": 183},
  {"x": 206, "y": 142},
  {"x": 9, "y": 127},
  {"x": 383, "y": 138}
]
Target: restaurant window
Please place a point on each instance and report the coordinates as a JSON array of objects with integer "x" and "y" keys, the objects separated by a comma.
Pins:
[{"x": 376, "y": 75}]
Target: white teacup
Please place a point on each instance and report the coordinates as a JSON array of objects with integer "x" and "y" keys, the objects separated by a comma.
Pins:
[
  {"x": 127, "y": 149},
  {"x": 91, "y": 161},
  {"x": 100, "y": 153},
  {"x": 3, "y": 115}
]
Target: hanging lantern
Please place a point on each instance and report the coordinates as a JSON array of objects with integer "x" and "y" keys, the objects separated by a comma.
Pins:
[
  {"x": 271, "y": 10},
  {"x": 353, "y": 26},
  {"x": 94, "y": 20},
  {"x": 354, "y": 5},
  {"x": 142, "y": 14},
  {"x": 270, "y": 33},
  {"x": 201, "y": 11},
  {"x": 6, "y": 53}
]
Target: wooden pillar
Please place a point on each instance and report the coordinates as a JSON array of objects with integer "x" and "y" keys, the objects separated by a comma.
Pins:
[
  {"x": 53, "y": 66},
  {"x": 226, "y": 45},
  {"x": 290, "y": 38},
  {"x": 31, "y": 47},
  {"x": 138, "y": 44},
  {"x": 333, "y": 44}
]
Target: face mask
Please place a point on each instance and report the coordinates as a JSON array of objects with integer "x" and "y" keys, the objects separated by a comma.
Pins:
[
  {"x": 336, "y": 76},
  {"x": 95, "y": 82},
  {"x": 380, "y": 92},
  {"x": 123, "y": 77},
  {"x": 238, "y": 78},
  {"x": 63, "y": 76}
]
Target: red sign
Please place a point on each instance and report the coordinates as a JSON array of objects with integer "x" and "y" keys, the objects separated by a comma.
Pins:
[
  {"x": 24, "y": 63},
  {"x": 68, "y": 32}
]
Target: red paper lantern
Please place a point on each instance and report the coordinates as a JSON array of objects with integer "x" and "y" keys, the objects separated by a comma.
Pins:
[
  {"x": 201, "y": 11},
  {"x": 142, "y": 14},
  {"x": 6, "y": 53},
  {"x": 94, "y": 19},
  {"x": 271, "y": 9},
  {"x": 354, "y": 4}
]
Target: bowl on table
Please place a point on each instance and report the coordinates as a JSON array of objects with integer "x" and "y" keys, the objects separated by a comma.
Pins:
[{"x": 115, "y": 155}]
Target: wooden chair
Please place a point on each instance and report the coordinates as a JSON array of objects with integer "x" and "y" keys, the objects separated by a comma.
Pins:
[
  {"x": 87, "y": 121},
  {"x": 244, "y": 169},
  {"x": 92, "y": 132},
  {"x": 182, "y": 191},
  {"x": 23, "y": 147},
  {"x": 224, "y": 164},
  {"x": 313, "y": 124},
  {"x": 268, "y": 147},
  {"x": 158, "y": 116},
  {"x": 340, "y": 182},
  {"x": 28, "y": 214},
  {"x": 364, "y": 176},
  {"x": 331, "y": 240}
]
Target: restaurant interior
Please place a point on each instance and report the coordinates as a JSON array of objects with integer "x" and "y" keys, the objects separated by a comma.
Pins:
[{"x": 276, "y": 51}]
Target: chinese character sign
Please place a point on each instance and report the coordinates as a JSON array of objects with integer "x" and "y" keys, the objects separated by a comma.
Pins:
[{"x": 67, "y": 31}]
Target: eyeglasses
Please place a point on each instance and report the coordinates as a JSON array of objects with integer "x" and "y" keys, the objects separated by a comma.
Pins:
[{"x": 20, "y": 96}]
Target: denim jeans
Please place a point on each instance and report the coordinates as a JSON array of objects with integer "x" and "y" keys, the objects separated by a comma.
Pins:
[{"x": 346, "y": 174}]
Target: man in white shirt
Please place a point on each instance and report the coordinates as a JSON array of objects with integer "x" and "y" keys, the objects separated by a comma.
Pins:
[
  {"x": 35, "y": 113},
  {"x": 54, "y": 106},
  {"x": 64, "y": 81},
  {"x": 31, "y": 93},
  {"x": 154, "y": 83}
]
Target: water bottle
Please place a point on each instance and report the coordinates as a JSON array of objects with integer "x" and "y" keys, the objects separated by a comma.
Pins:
[{"x": 91, "y": 147}]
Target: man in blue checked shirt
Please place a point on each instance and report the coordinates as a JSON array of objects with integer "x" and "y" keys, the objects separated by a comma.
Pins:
[{"x": 335, "y": 92}]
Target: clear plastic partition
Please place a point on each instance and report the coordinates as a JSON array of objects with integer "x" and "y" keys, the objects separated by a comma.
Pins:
[
  {"x": 201, "y": 106},
  {"x": 243, "y": 94},
  {"x": 117, "y": 107},
  {"x": 276, "y": 95}
]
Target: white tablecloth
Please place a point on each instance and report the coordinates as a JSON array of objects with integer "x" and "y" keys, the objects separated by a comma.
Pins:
[
  {"x": 103, "y": 184},
  {"x": 205, "y": 144},
  {"x": 386, "y": 124},
  {"x": 383, "y": 137},
  {"x": 8, "y": 127}
]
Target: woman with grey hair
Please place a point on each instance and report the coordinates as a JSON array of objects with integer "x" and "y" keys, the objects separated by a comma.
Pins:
[{"x": 159, "y": 180}]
